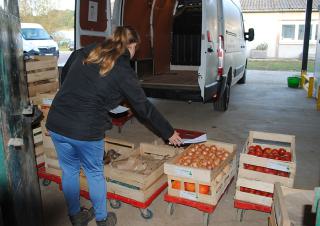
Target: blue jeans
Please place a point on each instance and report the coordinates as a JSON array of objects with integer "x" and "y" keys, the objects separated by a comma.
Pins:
[{"x": 88, "y": 155}]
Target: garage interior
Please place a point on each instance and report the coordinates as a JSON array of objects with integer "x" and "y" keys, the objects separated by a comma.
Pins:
[{"x": 264, "y": 103}]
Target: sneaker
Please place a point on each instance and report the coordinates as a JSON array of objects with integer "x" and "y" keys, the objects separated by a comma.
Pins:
[
  {"x": 82, "y": 218},
  {"x": 110, "y": 221}
]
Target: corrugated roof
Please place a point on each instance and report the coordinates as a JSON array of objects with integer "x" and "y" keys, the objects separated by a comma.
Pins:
[{"x": 276, "y": 5}]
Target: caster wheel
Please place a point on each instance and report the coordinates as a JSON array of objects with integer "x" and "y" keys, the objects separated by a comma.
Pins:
[
  {"x": 46, "y": 182},
  {"x": 170, "y": 209},
  {"x": 146, "y": 214},
  {"x": 205, "y": 219},
  {"x": 115, "y": 204},
  {"x": 240, "y": 214}
]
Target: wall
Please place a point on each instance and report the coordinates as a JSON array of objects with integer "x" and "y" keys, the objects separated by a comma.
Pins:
[{"x": 268, "y": 28}]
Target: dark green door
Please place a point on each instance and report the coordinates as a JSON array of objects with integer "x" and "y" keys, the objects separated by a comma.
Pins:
[{"x": 20, "y": 200}]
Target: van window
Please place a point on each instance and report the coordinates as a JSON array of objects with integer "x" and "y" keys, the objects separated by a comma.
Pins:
[{"x": 35, "y": 34}]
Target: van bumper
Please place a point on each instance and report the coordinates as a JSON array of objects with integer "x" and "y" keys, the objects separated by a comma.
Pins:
[{"x": 214, "y": 91}]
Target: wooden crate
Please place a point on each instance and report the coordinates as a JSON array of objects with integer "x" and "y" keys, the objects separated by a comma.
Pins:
[
  {"x": 254, "y": 198},
  {"x": 271, "y": 140},
  {"x": 42, "y": 75},
  {"x": 158, "y": 152},
  {"x": 218, "y": 185},
  {"x": 39, "y": 153},
  {"x": 292, "y": 207},
  {"x": 204, "y": 176}
]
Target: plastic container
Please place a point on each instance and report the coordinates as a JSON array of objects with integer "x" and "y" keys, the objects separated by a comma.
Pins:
[{"x": 293, "y": 82}]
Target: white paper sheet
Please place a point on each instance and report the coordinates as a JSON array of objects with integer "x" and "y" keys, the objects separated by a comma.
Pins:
[
  {"x": 198, "y": 139},
  {"x": 119, "y": 109}
]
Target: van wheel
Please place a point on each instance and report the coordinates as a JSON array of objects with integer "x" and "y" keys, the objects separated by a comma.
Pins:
[
  {"x": 223, "y": 102},
  {"x": 243, "y": 79}
]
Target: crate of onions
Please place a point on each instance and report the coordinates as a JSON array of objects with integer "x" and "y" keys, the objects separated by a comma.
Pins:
[
  {"x": 202, "y": 172},
  {"x": 266, "y": 158}
]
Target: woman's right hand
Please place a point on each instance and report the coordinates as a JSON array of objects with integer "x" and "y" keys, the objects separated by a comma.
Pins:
[{"x": 175, "y": 139}]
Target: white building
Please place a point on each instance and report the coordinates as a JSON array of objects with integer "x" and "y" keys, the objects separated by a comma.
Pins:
[{"x": 280, "y": 24}]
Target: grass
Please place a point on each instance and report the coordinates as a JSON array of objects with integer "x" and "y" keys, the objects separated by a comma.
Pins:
[{"x": 278, "y": 65}]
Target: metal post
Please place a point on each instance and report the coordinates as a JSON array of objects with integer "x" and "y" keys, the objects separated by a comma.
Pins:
[{"x": 306, "y": 37}]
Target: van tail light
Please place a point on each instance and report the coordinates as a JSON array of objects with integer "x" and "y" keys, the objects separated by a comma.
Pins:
[
  {"x": 209, "y": 36},
  {"x": 220, "y": 56}
]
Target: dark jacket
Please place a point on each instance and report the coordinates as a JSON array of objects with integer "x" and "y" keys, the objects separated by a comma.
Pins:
[{"x": 80, "y": 108}]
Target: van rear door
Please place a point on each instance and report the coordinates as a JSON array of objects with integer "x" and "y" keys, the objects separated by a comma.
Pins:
[
  {"x": 93, "y": 21},
  {"x": 209, "y": 43}
]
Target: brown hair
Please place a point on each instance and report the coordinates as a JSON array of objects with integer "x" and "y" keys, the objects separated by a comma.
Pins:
[{"x": 106, "y": 53}]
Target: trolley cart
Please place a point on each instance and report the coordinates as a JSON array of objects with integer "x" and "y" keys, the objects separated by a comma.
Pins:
[
  {"x": 243, "y": 206},
  {"x": 114, "y": 199},
  {"x": 207, "y": 209}
]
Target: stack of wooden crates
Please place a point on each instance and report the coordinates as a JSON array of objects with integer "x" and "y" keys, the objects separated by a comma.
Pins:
[
  {"x": 43, "y": 81},
  {"x": 256, "y": 185}
]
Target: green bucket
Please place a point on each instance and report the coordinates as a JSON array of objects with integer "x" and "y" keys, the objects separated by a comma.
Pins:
[{"x": 293, "y": 82}]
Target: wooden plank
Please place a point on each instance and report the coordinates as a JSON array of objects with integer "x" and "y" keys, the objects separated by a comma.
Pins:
[
  {"x": 268, "y": 178},
  {"x": 41, "y": 63},
  {"x": 268, "y": 163},
  {"x": 49, "y": 86},
  {"x": 257, "y": 185},
  {"x": 290, "y": 139},
  {"x": 138, "y": 195},
  {"x": 199, "y": 174},
  {"x": 253, "y": 198},
  {"x": 42, "y": 75}
]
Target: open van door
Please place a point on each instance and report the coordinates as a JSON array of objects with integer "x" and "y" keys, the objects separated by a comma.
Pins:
[
  {"x": 209, "y": 45},
  {"x": 92, "y": 22}
]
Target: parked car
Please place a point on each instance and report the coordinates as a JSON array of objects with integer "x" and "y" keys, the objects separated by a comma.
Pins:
[{"x": 36, "y": 38}]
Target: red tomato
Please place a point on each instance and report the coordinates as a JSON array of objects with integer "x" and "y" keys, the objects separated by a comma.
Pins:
[
  {"x": 282, "y": 151},
  {"x": 204, "y": 189},
  {"x": 175, "y": 184},
  {"x": 265, "y": 155},
  {"x": 277, "y": 157},
  {"x": 267, "y": 170},
  {"x": 270, "y": 195},
  {"x": 251, "y": 167},
  {"x": 258, "y": 147},
  {"x": 189, "y": 187},
  {"x": 260, "y": 169},
  {"x": 242, "y": 189},
  {"x": 252, "y": 148},
  {"x": 274, "y": 172},
  {"x": 267, "y": 150},
  {"x": 287, "y": 156},
  {"x": 252, "y": 152},
  {"x": 252, "y": 191},
  {"x": 274, "y": 152},
  {"x": 259, "y": 153}
]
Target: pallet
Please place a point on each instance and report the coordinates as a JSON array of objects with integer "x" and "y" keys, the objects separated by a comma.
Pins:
[
  {"x": 42, "y": 68},
  {"x": 158, "y": 152},
  {"x": 203, "y": 176},
  {"x": 284, "y": 199},
  {"x": 259, "y": 180}
]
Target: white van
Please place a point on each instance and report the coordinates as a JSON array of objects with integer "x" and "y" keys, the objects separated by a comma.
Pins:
[
  {"x": 36, "y": 40},
  {"x": 191, "y": 49}
]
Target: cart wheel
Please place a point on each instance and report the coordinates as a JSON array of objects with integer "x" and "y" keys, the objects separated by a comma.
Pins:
[
  {"x": 206, "y": 219},
  {"x": 170, "y": 209},
  {"x": 146, "y": 214},
  {"x": 240, "y": 214},
  {"x": 46, "y": 182},
  {"x": 115, "y": 204}
]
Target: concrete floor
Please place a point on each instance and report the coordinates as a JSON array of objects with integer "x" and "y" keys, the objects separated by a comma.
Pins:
[{"x": 264, "y": 103}]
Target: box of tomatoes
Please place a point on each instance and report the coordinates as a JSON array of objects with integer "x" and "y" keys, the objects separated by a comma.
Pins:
[
  {"x": 266, "y": 158},
  {"x": 202, "y": 172}
]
